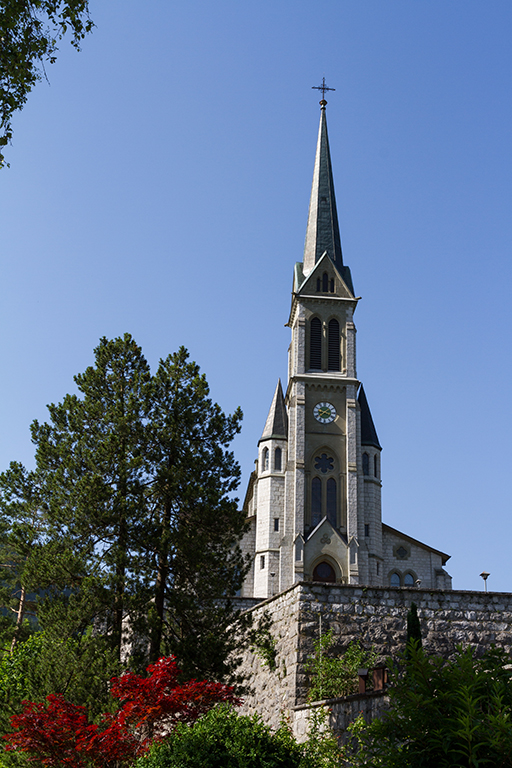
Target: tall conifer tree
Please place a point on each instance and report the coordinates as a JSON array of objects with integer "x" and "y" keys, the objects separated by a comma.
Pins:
[{"x": 135, "y": 478}]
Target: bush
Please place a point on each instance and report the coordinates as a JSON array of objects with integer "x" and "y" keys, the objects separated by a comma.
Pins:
[
  {"x": 223, "y": 739},
  {"x": 334, "y": 676},
  {"x": 444, "y": 714}
]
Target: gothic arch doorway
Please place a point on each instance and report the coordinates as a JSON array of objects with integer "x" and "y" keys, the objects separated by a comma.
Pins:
[{"x": 324, "y": 572}]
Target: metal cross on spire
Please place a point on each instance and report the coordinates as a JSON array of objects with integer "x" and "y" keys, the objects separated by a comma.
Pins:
[{"x": 322, "y": 88}]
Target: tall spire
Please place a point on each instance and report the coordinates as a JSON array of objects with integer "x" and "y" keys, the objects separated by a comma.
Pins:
[{"x": 323, "y": 232}]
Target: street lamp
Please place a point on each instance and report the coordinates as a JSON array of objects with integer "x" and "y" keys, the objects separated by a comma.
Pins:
[{"x": 485, "y": 576}]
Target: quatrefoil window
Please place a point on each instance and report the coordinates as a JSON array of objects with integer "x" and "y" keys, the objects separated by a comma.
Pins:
[{"x": 324, "y": 463}]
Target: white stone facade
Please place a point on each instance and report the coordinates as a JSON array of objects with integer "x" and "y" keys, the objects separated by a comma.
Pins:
[{"x": 315, "y": 511}]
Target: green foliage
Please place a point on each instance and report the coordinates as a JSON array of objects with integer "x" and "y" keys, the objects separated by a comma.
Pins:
[
  {"x": 321, "y": 749},
  {"x": 333, "y": 676},
  {"x": 445, "y": 714},
  {"x": 23, "y": 527},
  {"x": 29, "y": 33},
  {"x": 263, "y": 643},
  {"x": 78, "y": 668},
  {"x": 222, "y": 739},
  {"x": 128, "y": 523}
]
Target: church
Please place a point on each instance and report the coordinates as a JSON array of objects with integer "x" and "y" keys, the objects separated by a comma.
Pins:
[{"x": 313, "y": 501}]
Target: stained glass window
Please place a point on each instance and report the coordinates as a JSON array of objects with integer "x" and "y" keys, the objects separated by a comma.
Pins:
[
  {"x": 395, "y": 580},
  {"x": 316, "y": 501},
  {"x": 331, "y": 501},
  {"x": 324, "y": 463}
]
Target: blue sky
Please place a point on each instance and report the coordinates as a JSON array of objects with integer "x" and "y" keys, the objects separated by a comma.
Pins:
[{"x": 159, "y": 185}]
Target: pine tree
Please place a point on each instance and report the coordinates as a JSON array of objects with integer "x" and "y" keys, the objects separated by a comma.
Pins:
[
  {"x": 90, "y": 460},
  {"x": 136, "y": 480},
  {"x": 23, "y": 526},
  {"x": 196, "y": 523}
]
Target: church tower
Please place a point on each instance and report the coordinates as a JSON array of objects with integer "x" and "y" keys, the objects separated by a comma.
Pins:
[{"x": 314, "y": 498}]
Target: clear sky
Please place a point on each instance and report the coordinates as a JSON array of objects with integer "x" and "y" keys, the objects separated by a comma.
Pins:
[{"x": 159, "y": 184}]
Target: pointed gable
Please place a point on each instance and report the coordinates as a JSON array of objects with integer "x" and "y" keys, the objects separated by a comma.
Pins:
[
  {"x": 310, "y": 284},
  {"x": 368, "y": 431},
  {"x": 276, "y": 426}
]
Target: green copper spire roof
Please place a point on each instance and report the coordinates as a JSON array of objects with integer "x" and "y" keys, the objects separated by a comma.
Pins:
[
  {"x": 276, "y": 426},
  {"x": 368, "y": 431},
  {"x": 323, "y": 232}
]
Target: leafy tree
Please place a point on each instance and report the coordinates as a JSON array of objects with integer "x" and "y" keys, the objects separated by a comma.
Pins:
[
  {"x": 333, "y": 676},
  {"x": 222, "y": 739},
  {"x": 59, "y": 732},
  {"x": 445, "y": 714},
  {"x": 29, "y": 33}
]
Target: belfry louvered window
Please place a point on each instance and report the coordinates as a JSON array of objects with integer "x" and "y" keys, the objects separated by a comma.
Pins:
[
  {"x": 277, "y": 459},
  {"x": 333, "y": 357},
  {"x": 315, "y": 345}
]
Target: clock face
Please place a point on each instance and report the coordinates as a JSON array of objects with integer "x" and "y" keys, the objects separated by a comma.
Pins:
[{"x": 324, "y": 413}]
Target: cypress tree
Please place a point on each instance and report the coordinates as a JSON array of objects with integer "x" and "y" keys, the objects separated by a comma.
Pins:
[{"x": 413, "y": 627}]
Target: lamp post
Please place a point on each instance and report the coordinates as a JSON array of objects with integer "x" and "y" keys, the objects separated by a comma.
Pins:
[{"x": 485, "y": 576}]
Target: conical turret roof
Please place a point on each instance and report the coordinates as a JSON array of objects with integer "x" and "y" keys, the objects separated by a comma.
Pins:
[
  {"x": 276, "y": 426},
  {"x": 368, "y": 431}
]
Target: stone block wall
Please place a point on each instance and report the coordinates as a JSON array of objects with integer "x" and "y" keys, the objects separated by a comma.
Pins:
[
  {"x": 342, "y": 712},
  {"x": 376, "y": 616}
]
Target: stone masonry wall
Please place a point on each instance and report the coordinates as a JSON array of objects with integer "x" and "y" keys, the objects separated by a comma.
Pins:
[
  {"x": 375, "y": 616},
  {"x": 273, "y": 690},
  {"x": 342, "y": 712}
]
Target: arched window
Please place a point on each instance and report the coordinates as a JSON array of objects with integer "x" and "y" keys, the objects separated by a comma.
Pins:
[
  {"x": 315, "y": 345},
  {"x": 318, "y": 285},
  {"x": 331, "y": 501},
  {"x": 265, "y": 459},
  {"x": 375, "y": 466},
  {"x": 409, "y": 580},
  {"x": 395, "y": 580},
  {"x": 324, "y": 572},
  {"x": 277, "y": 460},
  {"x": 332, "y": 285},
  {"x": 333, "y": 357},
  {"x": 366, "y": 464},
  {"x": 316, "y": 501},
  {"x": 325, "y": 282}
]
